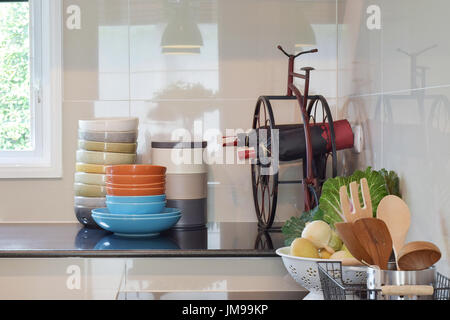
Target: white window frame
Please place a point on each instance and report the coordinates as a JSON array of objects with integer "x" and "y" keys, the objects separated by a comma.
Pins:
[{"x": 45, "y": 160}]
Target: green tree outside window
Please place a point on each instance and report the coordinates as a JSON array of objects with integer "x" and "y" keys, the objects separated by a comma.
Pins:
[{"x": 15, "y": 120}]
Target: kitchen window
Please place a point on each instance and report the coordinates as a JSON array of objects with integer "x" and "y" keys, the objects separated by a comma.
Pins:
[{"x": 30, "y": 89}]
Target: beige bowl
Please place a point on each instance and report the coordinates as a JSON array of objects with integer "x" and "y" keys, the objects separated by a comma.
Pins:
[
  {"x": 90, "y": 178},
  {"x": 107, "y": 146},
  {"x": 111, "y": 136},
  {"x": 105, "y": 158},
  {"x": 90, "y": 168},
  {"x": 109, "y": 124},
  {"x": 89, "y": 190},
  {"x": 186, "y": 186}
]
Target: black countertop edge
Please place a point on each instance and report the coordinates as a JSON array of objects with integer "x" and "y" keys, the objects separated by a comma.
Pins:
[{"x": 136, "y": 254}]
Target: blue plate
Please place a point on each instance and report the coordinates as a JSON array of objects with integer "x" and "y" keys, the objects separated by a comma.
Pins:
[
  {"x": 135, "y": 208},
  {"x": 166, "y": 212},
  {"x": 135, "y": 227},
  {"x": 136, "y": 199}
]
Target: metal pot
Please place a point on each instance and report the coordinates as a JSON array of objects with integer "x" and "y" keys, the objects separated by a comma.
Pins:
[{"x": 400, "y": 285}]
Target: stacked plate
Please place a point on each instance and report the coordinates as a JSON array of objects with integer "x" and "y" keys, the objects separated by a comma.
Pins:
[
  {"x": 136, "y": 201},
  {"x": 102, "y": 142},
  {"x": 186, "y": 179}
]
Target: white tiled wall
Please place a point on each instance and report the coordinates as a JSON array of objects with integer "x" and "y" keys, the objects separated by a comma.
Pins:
[{"x": 406, "y": 120}]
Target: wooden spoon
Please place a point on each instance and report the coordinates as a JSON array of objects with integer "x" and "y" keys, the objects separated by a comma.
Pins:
[
  {"x": 345, "y": 232},
  {"x": 418, "y": 255},
  {"x": 395, "y": 213},
  {"x": 374, "y": 237}
]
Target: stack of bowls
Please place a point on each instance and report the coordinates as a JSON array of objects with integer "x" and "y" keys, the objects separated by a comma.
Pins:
[
  {"x": 102, "y": 142},
  {"x": 136, "y": 201},
  {"x": 186, "y": 179}
]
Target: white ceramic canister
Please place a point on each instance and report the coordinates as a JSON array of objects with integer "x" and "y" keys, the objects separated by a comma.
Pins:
[{"x": 180, "y": 157}]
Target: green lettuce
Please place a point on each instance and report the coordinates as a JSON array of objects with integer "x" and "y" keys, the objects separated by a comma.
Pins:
[
  {"x": 329, "y": 202},
  {"x": 392, "y": 182}
]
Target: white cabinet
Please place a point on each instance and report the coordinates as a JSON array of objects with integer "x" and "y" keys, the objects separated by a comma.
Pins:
[{"x": 140, "y": 278}]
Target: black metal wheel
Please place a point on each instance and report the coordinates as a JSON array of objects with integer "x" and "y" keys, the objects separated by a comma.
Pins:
[
  {"x": 264, "y": 168},
  {"x": 319, "y": 112}
]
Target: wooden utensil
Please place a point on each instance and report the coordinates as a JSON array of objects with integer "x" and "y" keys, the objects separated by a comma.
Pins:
[
  {"x": 395, "y": 213},
  {"x": 345, "y": 232},
  {"x": 357, "y": 212},
  {"x": 373, "y": 235},
  {"x": 418, "y": 255}
]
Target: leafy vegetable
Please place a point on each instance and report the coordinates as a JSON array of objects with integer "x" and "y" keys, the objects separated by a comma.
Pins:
[
  {"x": 329, "y": 202},
  {"x": 381, "y": 183},
  {"x": 293, "y": 228},
  {"x": 335, "y": 242},
  {"x": 392, "y": 182}
]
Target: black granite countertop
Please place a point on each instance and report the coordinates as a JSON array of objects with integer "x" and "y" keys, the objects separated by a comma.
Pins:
[{"x": 224, "y": 239}]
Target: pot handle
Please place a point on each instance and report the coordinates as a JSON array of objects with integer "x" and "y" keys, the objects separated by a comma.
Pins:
[{"x": 407, "y": 290}]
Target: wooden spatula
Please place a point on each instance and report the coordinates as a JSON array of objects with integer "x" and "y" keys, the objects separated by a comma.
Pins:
[
  {"x": 395, "y": 213},
  {"x": 358, "y": 211},
  {"x": 345, "y": 232},
  {"x": 373, "y": 235}
]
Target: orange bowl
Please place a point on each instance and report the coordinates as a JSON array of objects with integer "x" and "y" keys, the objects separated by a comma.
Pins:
[
  {"x": 135, "y": 169},
  {"x": 134, "y": 191},
  {"x": 136, "y": 186},
  {"x": 135, "y": 179}
]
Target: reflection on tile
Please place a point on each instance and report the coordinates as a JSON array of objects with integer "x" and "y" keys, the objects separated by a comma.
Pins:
[
  {"x": 105, "y": 109},
  {"x": 415, "y": 52},
  {"x": 248, "y": 48},
  {"x": 416, "y": 129},
  {"x": 364, "y": 112},
  {"x": 232, "y": 45},
  {"x": 143, "y": 275},
  {"x": 113, "y": 62},
  {"x": 155, "y": 75},
  {"x": 80, "y": 53},
  {"x": 113, "y": 86},
  {"x": 95, "y": 50},
  {"x": 360, "y": 50}
]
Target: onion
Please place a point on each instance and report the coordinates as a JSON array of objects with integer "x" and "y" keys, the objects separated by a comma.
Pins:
[{"x": 318, "y": 232}]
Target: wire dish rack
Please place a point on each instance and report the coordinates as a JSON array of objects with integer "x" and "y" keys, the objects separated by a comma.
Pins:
[{"x": 334, "y": 288}]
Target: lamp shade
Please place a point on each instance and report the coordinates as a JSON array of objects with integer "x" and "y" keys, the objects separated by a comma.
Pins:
[
  {"x": 181, "y": 32},
  {"x": 185, "y": 50}
]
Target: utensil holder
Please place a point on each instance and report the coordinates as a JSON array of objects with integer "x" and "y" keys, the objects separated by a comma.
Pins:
[
  {"x": 335, "y": 287},
  {"x": 395, "y": 284}
]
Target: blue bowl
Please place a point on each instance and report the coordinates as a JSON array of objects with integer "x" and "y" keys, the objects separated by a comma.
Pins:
[
  {"x": 136, "y": 199},
  {"x": 114, "y": 242},
  {"x": 135, "y": 227},
  {"x": 135, "y": 208},
  {"x": 166, "y": 212}
]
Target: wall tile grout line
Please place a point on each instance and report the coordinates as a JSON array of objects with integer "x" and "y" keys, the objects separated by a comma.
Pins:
[{"x": 398, "y": 91}]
